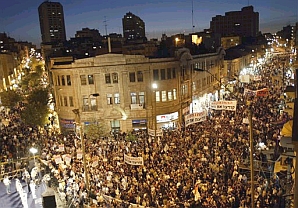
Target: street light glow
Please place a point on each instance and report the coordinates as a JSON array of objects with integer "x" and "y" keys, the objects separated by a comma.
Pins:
[
  {"x": 154, "y": 86},
  {"x": 33, "y": 150}
]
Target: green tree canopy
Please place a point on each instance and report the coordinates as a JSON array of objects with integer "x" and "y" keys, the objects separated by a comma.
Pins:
[
  {"x": 39, "y": 96},
  {"x": 10, "y": 98},
  {"x": 96, "y": 130},
  {"x": 35, "y": 114}
]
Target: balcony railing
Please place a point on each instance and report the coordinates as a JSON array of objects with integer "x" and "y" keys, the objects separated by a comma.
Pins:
[{"x": 138, "y": 106}]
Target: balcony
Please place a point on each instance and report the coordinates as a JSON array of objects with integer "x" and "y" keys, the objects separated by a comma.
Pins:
[{"x": 139, "y": 106}]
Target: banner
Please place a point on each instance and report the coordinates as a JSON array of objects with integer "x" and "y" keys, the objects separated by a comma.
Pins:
[
  {"x": 67, "y": 158},
  {"x": 95, "y": 161},
  {"x": 133, "y": 160},
  {"x": 151, "y": 132},
  {"x": 195, "y": 118},
  {"x": 229, "y": 105},
  {"x": 79, "y": 154},
  {"x": 58, "y": 159},
  {"x": 244, "y": 78},
  {"x": 61, "y": 148},
  {"x": 249, "y": 92},
  {"x": 262, "y": 93}
]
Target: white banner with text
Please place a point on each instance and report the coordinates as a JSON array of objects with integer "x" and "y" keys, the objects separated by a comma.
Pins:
[
  {"x": 133, "y": 160},
  {"x": 229, "y": 105},
  {"x": 195, "y": 118}
]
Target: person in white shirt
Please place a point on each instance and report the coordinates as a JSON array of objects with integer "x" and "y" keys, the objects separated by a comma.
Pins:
[{"x": 7, "y": 182}]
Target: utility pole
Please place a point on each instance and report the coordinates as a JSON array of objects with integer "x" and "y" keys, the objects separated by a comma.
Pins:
[
  {"x": 295, "y": 140},
  {"x": 105, "y": 24},
  {"x": 252, "y": 170}
]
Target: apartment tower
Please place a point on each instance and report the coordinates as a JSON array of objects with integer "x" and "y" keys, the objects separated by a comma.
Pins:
[{"x": 51, "y": 19}]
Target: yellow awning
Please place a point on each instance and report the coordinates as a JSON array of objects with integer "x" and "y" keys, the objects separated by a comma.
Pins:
[{"x": 287, "y": 129}]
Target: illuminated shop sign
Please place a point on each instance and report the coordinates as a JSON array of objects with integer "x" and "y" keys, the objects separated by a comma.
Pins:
[{"x": 167, "y": 117}]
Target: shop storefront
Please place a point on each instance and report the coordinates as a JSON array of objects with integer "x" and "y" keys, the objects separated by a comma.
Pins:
[
  {"x": 139, "y": 124},
  {"x": 167, "y": 121}
]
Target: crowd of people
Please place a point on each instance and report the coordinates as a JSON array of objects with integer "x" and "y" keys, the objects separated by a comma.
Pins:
[{"x": 200, "y": 165}]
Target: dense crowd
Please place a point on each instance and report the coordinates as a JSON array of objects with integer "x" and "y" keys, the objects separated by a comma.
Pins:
[{"x": 201, "y": 165}]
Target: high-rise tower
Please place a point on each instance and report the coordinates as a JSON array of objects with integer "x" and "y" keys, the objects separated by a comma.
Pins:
[
  {"x": 244, "y": 23},
  {"x": 133, "y": 27},
  {"x": 51, "y": 19}
]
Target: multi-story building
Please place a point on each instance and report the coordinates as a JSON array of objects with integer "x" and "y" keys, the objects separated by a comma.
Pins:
[
  {"x": 244, "y": 23},
  {"x": 126, "y": 98},
  {"x": 51, "y": 19},
  {"x": 133, "y": 28},
  {"x": 231, "y": 41}
]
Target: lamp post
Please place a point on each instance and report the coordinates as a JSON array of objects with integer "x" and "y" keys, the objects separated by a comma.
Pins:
[
  {"x": 82, "y": 137},
  {"x": 154, "y": 87},
  {"x": 33, "y": 150},
  {"x": 77, "y": 113},
  {"x": 250, "y": 137}
]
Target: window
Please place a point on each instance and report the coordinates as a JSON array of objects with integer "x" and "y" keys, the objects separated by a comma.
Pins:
[
  {"x": 170, "y": 96},
  {"x": 109, "y": 99},
  {"x": 169, "y": 73},
  {"x": 133, "y": 97},
  {"x": 132, "y": 77},
  {"x": 68, "y": 80},
  {"x": 141, "y": 97},
  {"x": 83, "y": 80},
  {"x": 162, "y": 74},
  {"x": 157, "y": 96},
  {"x": 115, "y": 77},
  {"x": 163, "y": 96},
  {"x": 90, "y": 79},
  {"x": 63, "y": 80},
  {"x": 58, "y": 80},
  {"x": 65, "y": 101},
  {"x": 93, "y": 103},
  {"x": 175, "y": 94},
  {"x": 108, "y": 78},
  {"x": 71, "y": 101},
  {"x": 155, "y": 74},
  {"x": 61, "y": 101},
  {"x": 85, "y": 103},
  {"x": 174, "y": 73},
  {"x": 116, "y": 98},
  {"x": 140, "y": 76}
]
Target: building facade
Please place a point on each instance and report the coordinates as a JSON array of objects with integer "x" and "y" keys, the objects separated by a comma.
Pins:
[
  {"x": 133, "y": 27},
  {"x": 51, "y": 19},
  {"x": 126, "y": 98},
  {"x": 244, "y": 23}
]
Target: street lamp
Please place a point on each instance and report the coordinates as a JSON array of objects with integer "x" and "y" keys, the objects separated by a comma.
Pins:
[
  {"x": 154, "y": 87},
  {"x": 250, "y": 138},
  {"x": 77, "y": 113},
  {"x": 33, "y": 150},
  {"x": 176, "y": 41}
]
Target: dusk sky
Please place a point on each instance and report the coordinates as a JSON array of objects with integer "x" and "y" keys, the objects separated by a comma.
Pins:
[{"x": 19, "y": 18}]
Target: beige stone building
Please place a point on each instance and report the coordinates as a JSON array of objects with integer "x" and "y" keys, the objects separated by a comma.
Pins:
[{"x": 117, "y": 89}]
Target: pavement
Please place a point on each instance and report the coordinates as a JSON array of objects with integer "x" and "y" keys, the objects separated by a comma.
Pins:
[{"x": 13, "y": 200}]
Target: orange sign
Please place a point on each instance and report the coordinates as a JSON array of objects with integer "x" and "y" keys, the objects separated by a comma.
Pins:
[{"x": 262, "y": 93}]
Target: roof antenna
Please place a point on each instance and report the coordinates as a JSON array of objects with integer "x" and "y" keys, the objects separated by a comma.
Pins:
[
  {"x": 192, "y": 16},
  {"x": 105, "y": 24}
]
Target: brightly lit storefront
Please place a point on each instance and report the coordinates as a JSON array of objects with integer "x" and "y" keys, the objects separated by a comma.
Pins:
[{"x": 167, "y": 120}]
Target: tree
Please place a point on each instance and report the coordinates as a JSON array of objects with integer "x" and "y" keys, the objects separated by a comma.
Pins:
[
  {"x": 39, "y": 96},
  {"x": 30, "y": 80},
  {"x": 10, "y": 98},
  {"x": 35, "y": 114},
  {"x": 97, "y": 130}
]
